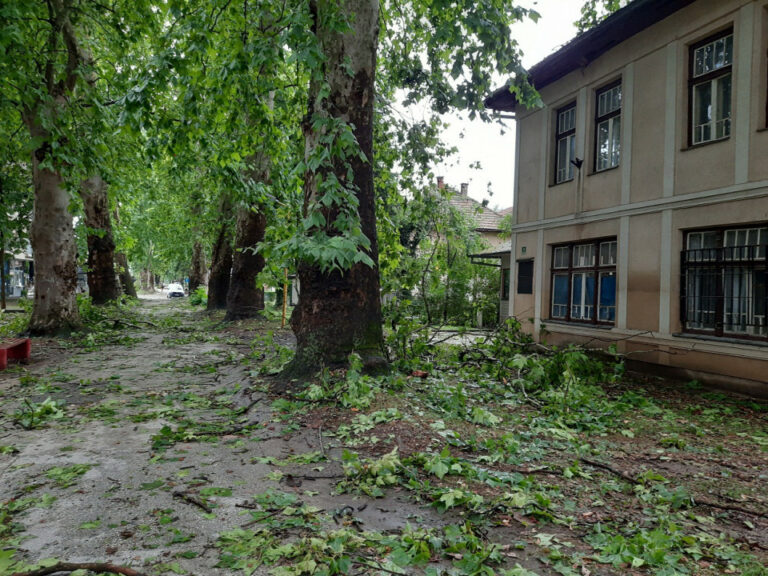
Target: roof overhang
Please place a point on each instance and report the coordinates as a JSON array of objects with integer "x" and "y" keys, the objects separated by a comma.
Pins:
[
  {"x": 496, "y": 254},
  {"x": 587, "y": 47}
]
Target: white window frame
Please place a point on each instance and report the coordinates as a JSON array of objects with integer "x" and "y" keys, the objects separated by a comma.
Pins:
[
  {"x": 707, "y": 71},
  {"x": 565, "y": 143},
  {"x": 608, "y": 106}
]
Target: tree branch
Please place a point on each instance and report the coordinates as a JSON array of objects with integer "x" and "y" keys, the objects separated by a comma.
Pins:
[{"x": 72, "y": 566}]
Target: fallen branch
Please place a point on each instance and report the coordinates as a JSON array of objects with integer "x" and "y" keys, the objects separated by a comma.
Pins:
[
  {"x": 72, "y": 566},
  {"x": 246, "y": 409},
  {"x": 727, "y": 507},
  {"x": 375, "y": 566},
  {"x": 620, "y": 473},
  {"x": 193, "y": 499},
  {"x": 694, "y": 501}
]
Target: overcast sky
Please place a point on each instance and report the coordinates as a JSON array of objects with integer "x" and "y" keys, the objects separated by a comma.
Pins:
[{"x": 481, "y": 142}]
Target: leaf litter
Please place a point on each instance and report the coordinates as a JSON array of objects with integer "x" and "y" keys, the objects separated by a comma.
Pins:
[{"x": 161, "y": 448}]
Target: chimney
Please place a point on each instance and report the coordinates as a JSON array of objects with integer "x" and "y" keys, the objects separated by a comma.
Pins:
[
  {"x": 440, "y": 183},
  {"x": 464, "y": 188}
]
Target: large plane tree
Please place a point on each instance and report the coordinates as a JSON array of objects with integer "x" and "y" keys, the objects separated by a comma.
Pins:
[{"x": 442, "y": 52}]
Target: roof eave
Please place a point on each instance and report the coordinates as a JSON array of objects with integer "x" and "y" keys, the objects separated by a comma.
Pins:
[{"x": 590, "y": 45}]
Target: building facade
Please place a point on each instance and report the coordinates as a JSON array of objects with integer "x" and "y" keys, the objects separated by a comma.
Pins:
[{"x": 641, "y": 190}]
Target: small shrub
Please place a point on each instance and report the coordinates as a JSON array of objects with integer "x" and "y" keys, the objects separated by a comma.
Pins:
[{"x": 199, "y": 296}]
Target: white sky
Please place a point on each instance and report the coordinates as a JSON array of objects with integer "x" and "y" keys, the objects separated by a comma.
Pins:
[{"x": 480, "y": 142}]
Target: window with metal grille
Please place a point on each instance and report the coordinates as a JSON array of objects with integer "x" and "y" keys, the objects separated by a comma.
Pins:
[
  {"x": 723, "y": 288},
  {"x": 584, "y": 282},
  {"x": 710, "y": 83}
]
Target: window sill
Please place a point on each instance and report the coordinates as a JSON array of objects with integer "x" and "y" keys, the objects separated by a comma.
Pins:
[
  {"x": 721, "y": 339},
  {"x": 604, "y": 170},
  {"x": 762, "y": 129},
  {"x": 704, "y": 144},
  {"x": 576, "y": 324},
  {"x": 555, "y": 184}
]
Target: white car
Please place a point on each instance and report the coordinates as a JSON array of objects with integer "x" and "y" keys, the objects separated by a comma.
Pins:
[{"x": 175, "y": 291}]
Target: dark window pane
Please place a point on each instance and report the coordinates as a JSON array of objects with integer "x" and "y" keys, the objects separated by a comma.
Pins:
[{"x": 525, "y": 277}]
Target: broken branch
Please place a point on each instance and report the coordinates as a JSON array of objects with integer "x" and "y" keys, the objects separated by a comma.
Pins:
[
  {"x": 72, "y": 566},
  {"x": 193, "y": 499}
]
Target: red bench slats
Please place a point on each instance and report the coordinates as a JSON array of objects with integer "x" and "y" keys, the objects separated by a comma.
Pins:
[{"x": 16, "y": 348}]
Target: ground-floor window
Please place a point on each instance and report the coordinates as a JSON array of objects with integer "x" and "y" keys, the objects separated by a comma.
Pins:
[
  {"x": 505, "y": 278},
  {"x": 584, "y": 282},
  {"x": 723, "y": 288},
  {"x": 525, "y": 277}
]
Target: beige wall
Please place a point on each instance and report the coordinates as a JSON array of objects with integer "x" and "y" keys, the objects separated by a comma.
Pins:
[
  {"x": 648, "y": 101},
  {"x": 643, "y": 272},
  {"x": 662, "y": 188}
]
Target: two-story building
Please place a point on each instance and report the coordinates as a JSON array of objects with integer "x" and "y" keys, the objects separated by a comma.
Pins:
[{"x": 641, "y": 189}]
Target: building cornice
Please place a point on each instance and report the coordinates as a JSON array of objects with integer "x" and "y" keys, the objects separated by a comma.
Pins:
[{"x": 706, "y": 198}]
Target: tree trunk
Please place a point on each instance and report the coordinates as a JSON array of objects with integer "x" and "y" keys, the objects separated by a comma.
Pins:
[
  {"x": 124, "y": 273},
  {"x": 2, "y": 271},
  {"x": 197, "y": 271},
  {"x": 53, "y": 244},
  {"x": 221, "y": 261},
  {"x": 102, "y": 279},
  {"x": 340, "y": 312},
  {"x": 127, "y": 284},
  {"x": 52, "y": 233},
  {"x": 245, "y": 299}
]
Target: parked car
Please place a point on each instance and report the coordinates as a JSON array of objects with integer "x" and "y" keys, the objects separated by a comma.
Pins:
[{"x": 175, "y": 291}]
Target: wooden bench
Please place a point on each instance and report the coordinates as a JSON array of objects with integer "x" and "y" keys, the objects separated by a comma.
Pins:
[{"x": 18, "y": 348}]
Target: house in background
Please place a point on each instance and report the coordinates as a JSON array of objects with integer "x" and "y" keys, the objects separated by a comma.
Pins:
[
  {"x": 487, "y": 222},
  {"x": 641, "y": 190},
  {"x": 19, "y": 273}
]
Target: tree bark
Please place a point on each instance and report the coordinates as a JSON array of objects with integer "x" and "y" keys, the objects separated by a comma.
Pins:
[
  {"x": 124, "y": 273},
  {"x": 340, "y": 312},
  {"x": 2, "y": 271},
  {"x": 52, "y": 237},
  {"x": 245, "y": 298},
  {"x": 221, "y": 261},
  {"x": 197, "y": 271},
  {"x": 127, "y": 284},
  {"x": 103, "y": 286}
]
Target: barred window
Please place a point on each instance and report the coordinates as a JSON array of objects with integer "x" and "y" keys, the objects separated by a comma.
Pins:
[
  {"x": 584, "y": 282},
  {"x": 723, "y": 282}
]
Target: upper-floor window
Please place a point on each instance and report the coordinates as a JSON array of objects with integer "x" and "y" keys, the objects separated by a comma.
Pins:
[
  {"x": 710, "y": 88},
  {"x": 565, "y": 143},
  {"x": 608, "y": 128}
]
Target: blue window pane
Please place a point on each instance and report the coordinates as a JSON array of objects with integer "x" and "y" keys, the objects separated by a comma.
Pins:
[
  {"x": 561, "y": 289},
  {"x": 607, "y": 290},
  {"x": 607, "y": 305},
  {"x": 590, "y": 290},
  {"x": 560, "y": 296}
]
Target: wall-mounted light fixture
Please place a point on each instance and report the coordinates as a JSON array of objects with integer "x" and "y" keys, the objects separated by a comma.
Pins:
[{"x": 577, "y": 162}]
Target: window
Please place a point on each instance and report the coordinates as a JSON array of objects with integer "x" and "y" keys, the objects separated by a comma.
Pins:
[
  {"x": 724, "y": 279},
  {"x": 608, "y": 128},
  {"x": 710, "y": 89},
  {"x": 565, "y": 143},
  {"x": 525, "y": 277},
  {"x": 505, "y": 283},
  {"x": 584, "y": 282}
]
